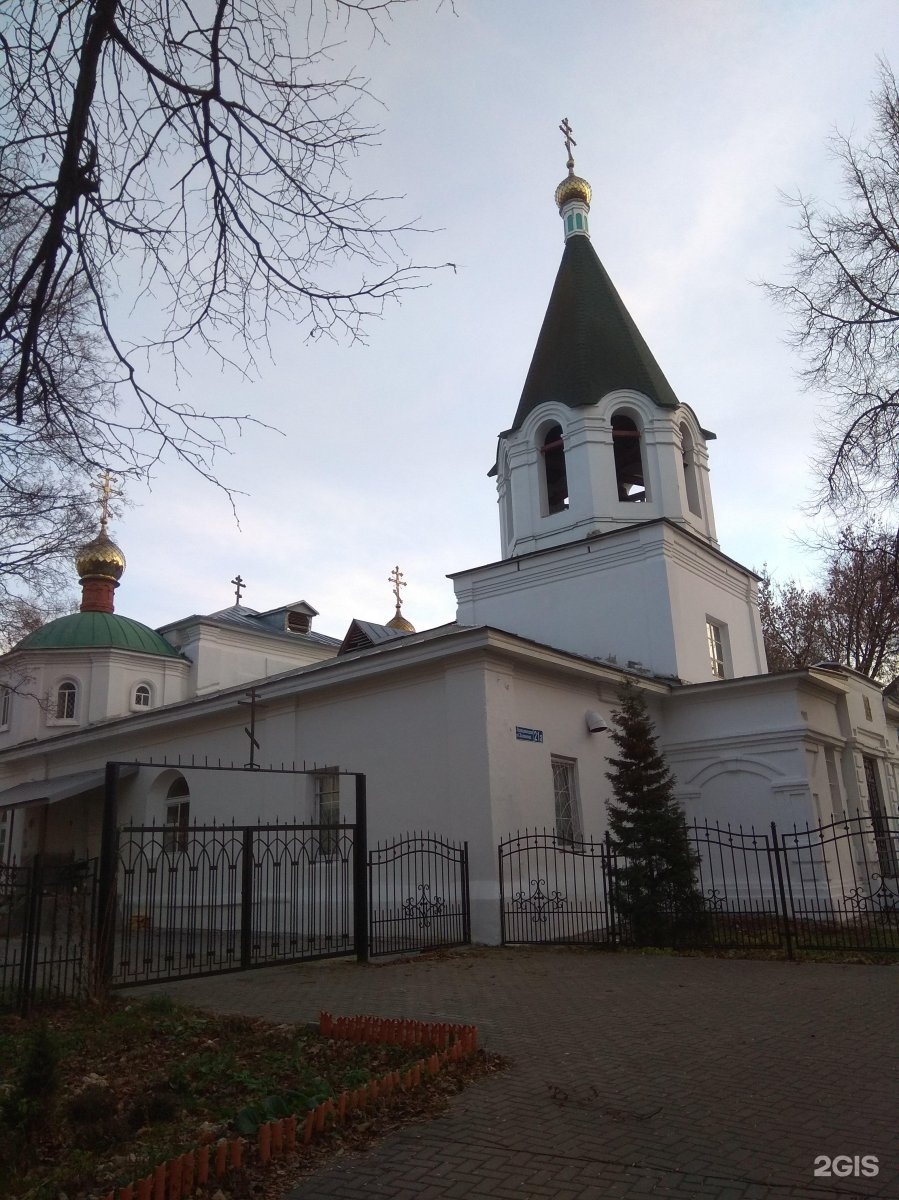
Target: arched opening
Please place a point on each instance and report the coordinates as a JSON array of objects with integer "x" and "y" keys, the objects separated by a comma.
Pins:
[
  {"x": 629, "y": 474},
  {"x": 554, "y": 474},
  {"x": 143, "y": 696},
  {"x": 505, "y": 491},
  {"x": 691, "y": 481},
  {"x": 66, "y": 701}
]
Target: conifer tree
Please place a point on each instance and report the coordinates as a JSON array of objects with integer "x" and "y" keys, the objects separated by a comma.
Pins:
[{"x": 653, "y": 886}]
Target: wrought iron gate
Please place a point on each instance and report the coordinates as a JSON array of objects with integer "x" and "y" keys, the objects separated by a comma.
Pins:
[
  {"x": 418, "y": 894},
  {"x": 212, "y": 898}
]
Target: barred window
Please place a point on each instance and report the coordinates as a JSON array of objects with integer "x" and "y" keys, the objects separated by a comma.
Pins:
[
  {"x": 177, "y": 817},
  {"x": 66, "y": 701},
  {"x": 327, "y": 809},
  {"x": 567, "y": 803},
  {"x": 715, "y": 638}
]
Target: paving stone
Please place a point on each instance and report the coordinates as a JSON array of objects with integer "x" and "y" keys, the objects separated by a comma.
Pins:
[{"x": 631, "y": 1076}]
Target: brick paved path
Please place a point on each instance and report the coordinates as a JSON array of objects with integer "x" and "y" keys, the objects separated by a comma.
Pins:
[{"x": 632, "y": 1076}]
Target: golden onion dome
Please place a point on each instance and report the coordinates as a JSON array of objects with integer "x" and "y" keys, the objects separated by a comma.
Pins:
[
  {"x": 100, "y": 558},
  {"x": 398, "y": 621},
  {"x": 573, "y": 187}
]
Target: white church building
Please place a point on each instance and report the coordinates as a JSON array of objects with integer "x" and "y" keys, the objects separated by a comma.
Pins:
[{"x": 610, "y": 569}]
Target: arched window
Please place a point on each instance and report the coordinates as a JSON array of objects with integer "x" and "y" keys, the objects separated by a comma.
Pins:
[
  {"x": 66, "y": 701},
  {"x": 628, "y": 459},
  {"x": 691, "y": 483},
  {"x": 177, "y": 815},
  {"x": 554, "y": 475},
  {"x": 143, "y": 696}
]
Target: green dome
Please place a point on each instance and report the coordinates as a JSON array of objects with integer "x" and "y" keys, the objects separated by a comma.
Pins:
[{"x": 94, "y": 631}]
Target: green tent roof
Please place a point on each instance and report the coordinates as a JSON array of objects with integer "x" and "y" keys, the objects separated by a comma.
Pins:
[
  {"x": 97, "y": 630},
  {"x": 589, "y": 345}
]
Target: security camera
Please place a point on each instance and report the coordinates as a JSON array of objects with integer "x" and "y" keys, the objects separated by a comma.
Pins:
[{"x": 596, "y": 723}]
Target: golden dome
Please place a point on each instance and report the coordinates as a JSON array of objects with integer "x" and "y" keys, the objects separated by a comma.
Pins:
[
  {"x": 573, "y": 187},
  {"x": 398, "y": 621},
  {"x": 100, "y": 558}
]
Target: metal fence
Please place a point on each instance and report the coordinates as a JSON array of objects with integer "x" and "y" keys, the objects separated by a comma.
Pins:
[
  {"x": 418, "y": 894},
  {"x": 46, "y": 930},
  {"x": 830, "y": 887},
  {"x": 212, "y": 898}
]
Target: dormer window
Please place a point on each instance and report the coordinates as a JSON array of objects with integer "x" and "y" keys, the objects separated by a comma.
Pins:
[
  {"x": 297, "y": 622},
  {"x": 629, "y": 474},
  {"x": 66, "y": 701},
  {"x": 554, "y": 474}
]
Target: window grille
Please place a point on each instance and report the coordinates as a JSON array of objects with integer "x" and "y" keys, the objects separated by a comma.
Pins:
[{"x": 567, "y": 804}]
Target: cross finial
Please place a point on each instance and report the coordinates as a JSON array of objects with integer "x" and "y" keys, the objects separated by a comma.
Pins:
[
  {"x": 569, "y": 142},
  {"x": 106, "y": 492},
  {"x": 239, "y": 586},
  {"x": 396, "y": 578}
]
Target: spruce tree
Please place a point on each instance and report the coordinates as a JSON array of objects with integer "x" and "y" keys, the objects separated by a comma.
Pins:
[{"x": 653, "y": 886}]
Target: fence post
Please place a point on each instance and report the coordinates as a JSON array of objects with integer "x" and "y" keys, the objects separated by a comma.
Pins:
[
  {"x": 360, "y": 874},
  {"x": 788, "y": 933},
  {"x": 106, "y": 883},
  {"x": 246, "y": 899},
  {"x": 466, "y": 896},
  {"x": 609, "y": 884}
]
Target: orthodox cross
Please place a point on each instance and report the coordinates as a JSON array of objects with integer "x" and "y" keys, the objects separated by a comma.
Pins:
[
  {"x": 569, "y": 141},
  {"x": 251, "y": 732},
  {"x": 105, "y": 493},
  {"x": 239, "y": 586},
  {"x": 396, "y": 578}
]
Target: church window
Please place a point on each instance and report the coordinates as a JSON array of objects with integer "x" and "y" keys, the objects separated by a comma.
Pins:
[
  {"x": 327, "y": 810},
  {"x": 629, "y": 473},
  {"x": 885, "y": 838},
  {"x": 5, "y": 706},
  {"x": 579, "y": 220},
  {"x": 66, "y": 701},
  {"x": 569, "y": 222},
  {"x": 143, "y": 697},
  {"x": 691, "y": 483},
  {"x": 867, "y": 704},
  {"x": 555, "y": 477},
  {"x": 567, "y": 802},
  {"x": 833, "y": 782},
  {"x": 716, "y": 637},
  {"x": 177, "y": 816}
]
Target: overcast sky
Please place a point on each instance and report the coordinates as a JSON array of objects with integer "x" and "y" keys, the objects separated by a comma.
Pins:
[{"x": 691, "y": 117}]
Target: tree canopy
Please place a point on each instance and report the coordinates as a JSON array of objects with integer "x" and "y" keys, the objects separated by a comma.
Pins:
[{"x": 851, "y": 617}]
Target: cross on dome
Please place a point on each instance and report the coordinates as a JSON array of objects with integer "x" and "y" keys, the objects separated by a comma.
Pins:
[
  {"x": 569, "y": 142},
  {"x": 106, "y": 492},
  {"x": 398, "y": 621}
]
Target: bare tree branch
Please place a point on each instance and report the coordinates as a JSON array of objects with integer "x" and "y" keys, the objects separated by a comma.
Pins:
[
  {"x": 844, "y": 299},
  {"x": 183, "y": 169}
]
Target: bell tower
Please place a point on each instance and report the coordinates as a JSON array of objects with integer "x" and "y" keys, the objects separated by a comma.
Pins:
[
  {"x": 599, "y": 440},
  {"x": 607, "y": 529}
]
